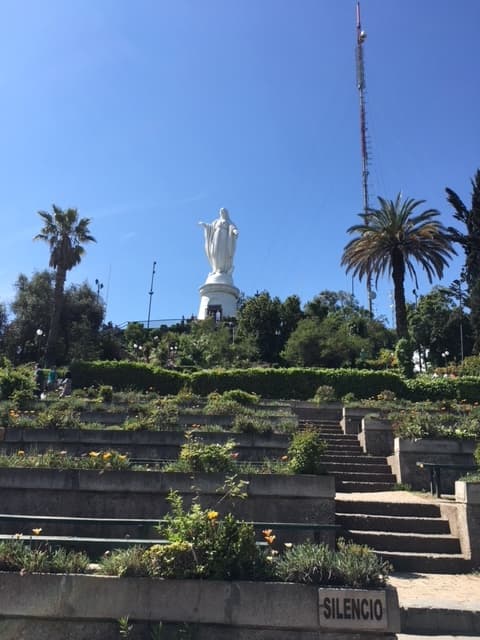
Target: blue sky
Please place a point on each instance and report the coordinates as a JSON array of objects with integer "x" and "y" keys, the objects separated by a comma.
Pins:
[{"x": 150, "y": 115}]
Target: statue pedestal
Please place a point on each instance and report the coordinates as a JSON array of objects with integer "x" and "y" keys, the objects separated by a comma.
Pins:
[{"x": 218, "y": 294}]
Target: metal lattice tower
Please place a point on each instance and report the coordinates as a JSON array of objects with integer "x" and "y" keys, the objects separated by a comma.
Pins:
[{"x": 361, "y": 85}]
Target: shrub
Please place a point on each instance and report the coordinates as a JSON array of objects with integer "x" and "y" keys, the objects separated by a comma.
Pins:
[
  {"x": 242, "y": 397},
  {"x": 470, "y": 366},
  {"x": 304, "y": 453},
  {"x": 58, "y": 417},
  {"x": 17, "y": 555},
  {"x": 198, "y": 457},
  {"x": 14, "y": 380},
  {"x": 22, "y": 398},
  {"x": 220, "y": 405},
  {"x": 249, "y": 422},
  {"x": 325, "y": 393},
  {"x": 422, "y": 424},
  {"x": 106, "y": 392},
  {"x": 477, "y": 455},
  {"x": 174, "y": 560},
  {"x": 352, "y": 565},
  {"x": 162, "y": 415},
  {"x": 130, "y": 562},
  {"x": 223, "y": 548},
  {"x": 404, "y": 356},
  {"x": 386, "y": 395}
]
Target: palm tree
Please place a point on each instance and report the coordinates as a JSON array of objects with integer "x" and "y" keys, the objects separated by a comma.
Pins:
[
  {"x": 389, "y": 239},
  {"x": 65, "y": 233},
  {"x": 469, "y": 240}
]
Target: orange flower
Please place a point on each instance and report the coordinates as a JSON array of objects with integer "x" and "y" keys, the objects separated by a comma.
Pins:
[
  {"x": 234, "y": 456},
  {"x": 270, "y": 539},
  {"x": 267, "y": 532},
  {"x": 284, "y": 458}
]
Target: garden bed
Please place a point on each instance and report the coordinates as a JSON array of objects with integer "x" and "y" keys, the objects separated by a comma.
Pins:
[
  {"x": 143, "y": 494},
  {"x": 217, "y": 609},
  {"x": 138, "y": 444}
]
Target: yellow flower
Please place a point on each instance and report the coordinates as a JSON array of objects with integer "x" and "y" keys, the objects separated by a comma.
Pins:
[
  {"x": 20, "y": 453},
  {"x": 211, "y": 515},
  {"x": 121, "y": 457},
  {"x": 94, "y": 454},
  {"x": 107, "y": 455},
  {"x": 17, "y": 536},
  {"x": 37, "y": 532}
]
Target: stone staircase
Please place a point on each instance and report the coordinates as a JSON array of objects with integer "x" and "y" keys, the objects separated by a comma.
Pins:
[
  {"x": 353, "y": 470},
  {"x": 411, "y": 535}
]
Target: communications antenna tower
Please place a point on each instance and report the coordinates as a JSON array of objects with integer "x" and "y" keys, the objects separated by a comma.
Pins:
[{"x": 361, "y": 85}]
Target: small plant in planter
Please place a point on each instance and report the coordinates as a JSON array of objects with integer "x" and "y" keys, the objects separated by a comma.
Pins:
[
  {"x": 202, "y": 545},
  {"x": 352, "y": 565},
  {"x": 249, "y": 422},
  {"x": 26, "y": 554},
  {"x": 305, "y": 452},
  {"x": 242, "y": 397},
  {"x": 58, "y": 416},
  {"x": 221, "y": 406},
  {"x": 106, "y": 393},
  {"x": 103, "y": 460},
  {"x": 198, "y": 457},
  {"x": 324, "y": 394}
]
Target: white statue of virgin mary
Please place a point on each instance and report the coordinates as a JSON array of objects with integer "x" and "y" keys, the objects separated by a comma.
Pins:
[{"x": 220, "y": 241}]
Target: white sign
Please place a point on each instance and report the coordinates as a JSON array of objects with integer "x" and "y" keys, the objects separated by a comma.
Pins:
[{"x": 352, "y": 609}]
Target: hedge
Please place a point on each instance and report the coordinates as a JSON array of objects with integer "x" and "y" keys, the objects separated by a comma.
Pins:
[
  {"x": 292, "y": 383},
  {"x": 127, "y": 375}
]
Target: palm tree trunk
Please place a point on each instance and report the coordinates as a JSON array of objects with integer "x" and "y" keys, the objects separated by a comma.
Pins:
[
  {"x": 51, "y": 348},
  {"x": 398, "y": 276}
]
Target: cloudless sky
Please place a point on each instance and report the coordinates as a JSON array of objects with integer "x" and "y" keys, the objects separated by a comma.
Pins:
[{"x": 149, "y": 116}]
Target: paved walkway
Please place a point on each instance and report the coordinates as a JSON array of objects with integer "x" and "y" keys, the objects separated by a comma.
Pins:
[{"x": 443, "y": 601}]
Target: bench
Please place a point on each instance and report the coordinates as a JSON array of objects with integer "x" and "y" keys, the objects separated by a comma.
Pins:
[{"x": 435, "y": 469}]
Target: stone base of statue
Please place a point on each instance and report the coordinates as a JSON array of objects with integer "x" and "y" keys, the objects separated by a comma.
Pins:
[{"x": 218, "y": 297}]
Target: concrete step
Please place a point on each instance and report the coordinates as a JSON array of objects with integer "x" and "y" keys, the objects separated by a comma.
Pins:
[
  {"x": 353, "y": 459},
  {"x": 426, "y": 562},
  {"x": 339, "y": 437},
  {"x": 362, "y": 487},
  {"x": 405, "y": 524},
  {"x": 356, "y": 467},
  {"x": 353, "y": 476},
  {"x": 412, "y": 509},
  {"x": 334, "y": 449},
  {"x": 406, "y": 542},
  {"x": 425, "y": 623}
]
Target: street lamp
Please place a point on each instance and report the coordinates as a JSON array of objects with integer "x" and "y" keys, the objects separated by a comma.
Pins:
[
  {"x": 39, "y": 334},
  {"x": 445, "y": 355}
]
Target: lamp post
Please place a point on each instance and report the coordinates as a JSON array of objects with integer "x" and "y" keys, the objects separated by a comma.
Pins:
[
  {"x": 445, "y": 355},
  {"x": 173, "y": 355},
  {"x": 39, "y": 334}
]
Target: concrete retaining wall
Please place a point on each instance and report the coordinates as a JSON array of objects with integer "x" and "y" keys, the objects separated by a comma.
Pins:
[
  {"x": 376, "y": 436},
  {"x": 464, "y": 518},
  {"x": 137, "y": 444},
  {"x": 238, "y": 610},
  {"x": 142, "y": 494},
  {"x": 408, "y": 452}
]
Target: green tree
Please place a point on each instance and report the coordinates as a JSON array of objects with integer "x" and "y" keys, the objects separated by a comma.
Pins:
[
  {"x": 66, "y": 234},
  {"x": 469, "y": 240},
  {"x": 390, "y": 239},
  {"x": 435, "y": 326},
  {"x": 324, "y": 343},
  {"x": 80, "y": 321}
]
